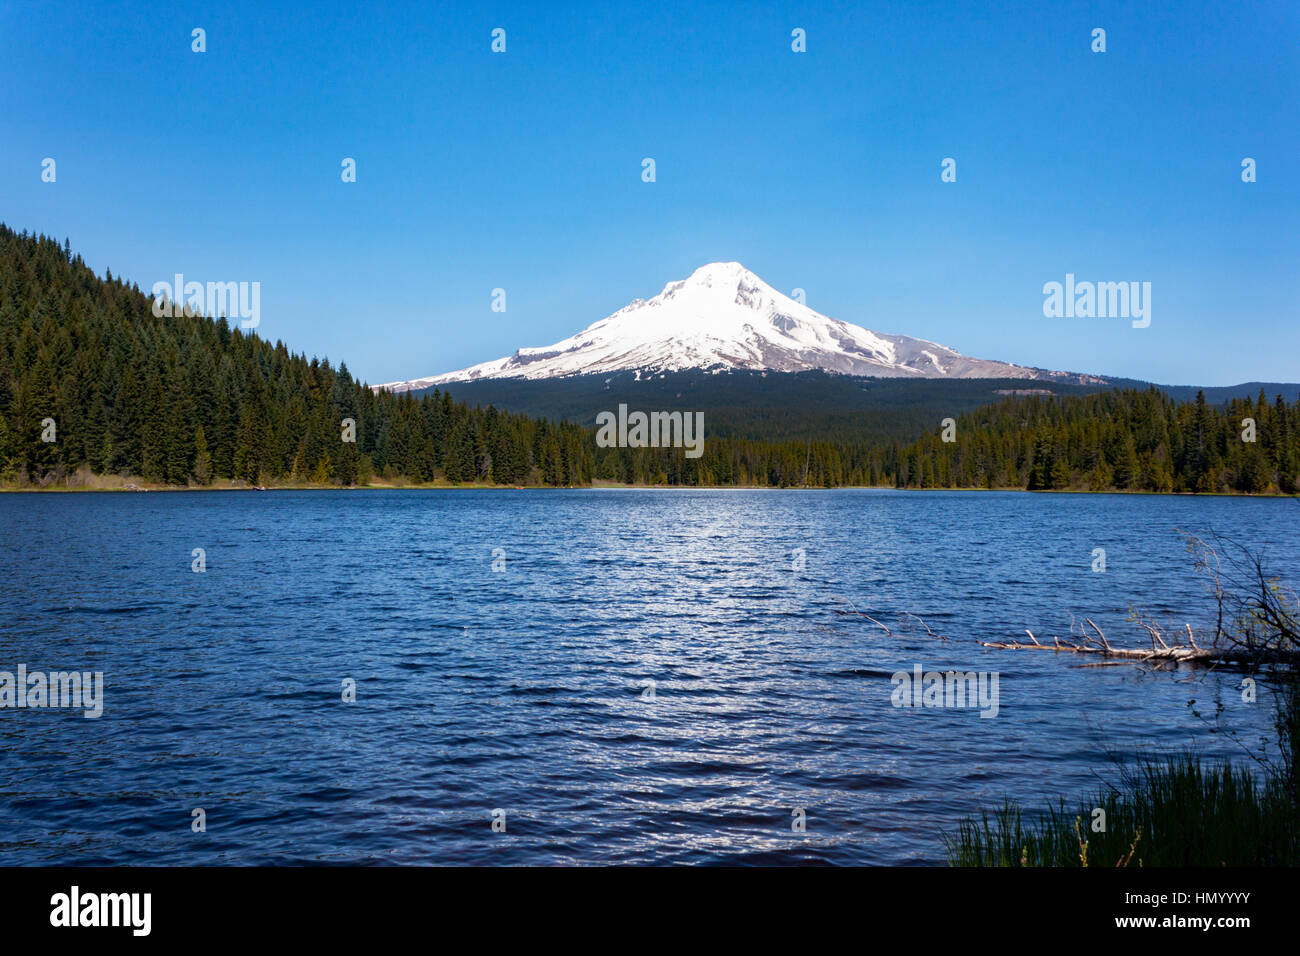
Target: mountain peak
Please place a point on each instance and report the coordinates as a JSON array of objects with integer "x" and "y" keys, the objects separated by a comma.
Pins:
[
  {"x": 725, "y": 270},
  {"x": 715, "y": 275},
  {"x": 724, "y": 316}
]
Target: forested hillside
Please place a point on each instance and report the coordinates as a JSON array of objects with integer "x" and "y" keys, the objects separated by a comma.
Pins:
[{"x": 189, "y": 400}]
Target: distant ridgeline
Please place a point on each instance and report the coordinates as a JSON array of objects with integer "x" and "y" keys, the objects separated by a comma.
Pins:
[
  {"x": 768, "y": 406},
  {"x": 186, "y": 401}
]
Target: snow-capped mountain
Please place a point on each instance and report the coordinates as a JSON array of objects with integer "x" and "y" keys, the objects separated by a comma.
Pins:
[{"x": 725, "y": 317}]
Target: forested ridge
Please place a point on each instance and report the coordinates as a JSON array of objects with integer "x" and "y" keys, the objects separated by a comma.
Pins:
[
  {"x": 188, "y": 400},
  {"x": 767, "y": 406},
  {"x": 192, "y": 401},
  {"x": 1123, "y": 440}
]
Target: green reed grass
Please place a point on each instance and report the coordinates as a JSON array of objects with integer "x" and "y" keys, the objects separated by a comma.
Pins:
[{"x": 1172, "y": 810}]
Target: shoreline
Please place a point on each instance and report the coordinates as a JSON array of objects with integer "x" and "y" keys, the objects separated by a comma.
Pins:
[{"x": 131, "y": 487}]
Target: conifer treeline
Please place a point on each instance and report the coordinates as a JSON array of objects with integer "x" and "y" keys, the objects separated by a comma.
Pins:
[
  {"x": 1132, "y": 439},
  {"x": 186, "y": 400}
]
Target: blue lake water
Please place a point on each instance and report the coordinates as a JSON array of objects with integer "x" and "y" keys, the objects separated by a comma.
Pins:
[{"x": 523, "y": 689}]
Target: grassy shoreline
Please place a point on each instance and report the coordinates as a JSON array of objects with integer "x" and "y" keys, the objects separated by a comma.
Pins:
[
  {"x": 1175, "y": 810},
  {"x": 1180, "y": 809}
]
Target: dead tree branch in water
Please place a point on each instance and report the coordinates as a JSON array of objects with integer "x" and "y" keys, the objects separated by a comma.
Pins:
[
  {"x": 1160, "y": 650},
  {"x": 1258, "y": 620},
  {"x": 902, "y": 616},
  {"x": 1257, "y": 623},
  {"x": 1256, "y": 615},
  {"x": 923, "y": 624},
  {"x": 860, "y": 614}
]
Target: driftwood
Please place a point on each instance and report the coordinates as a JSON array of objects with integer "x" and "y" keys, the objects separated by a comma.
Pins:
[
  {"x": 1160, "y": 650},
  {"x": 836, "y": 597},
  {"x": 1258, "y": 620},
  {"x": 924, "y": 625},
  {"x": 901, "y": 617}
]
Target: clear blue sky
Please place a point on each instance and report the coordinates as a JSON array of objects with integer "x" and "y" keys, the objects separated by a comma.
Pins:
[{"x": 818, "y": 170}]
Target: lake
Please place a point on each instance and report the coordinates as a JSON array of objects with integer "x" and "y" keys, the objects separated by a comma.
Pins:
[{"x": 501, "y": 644}]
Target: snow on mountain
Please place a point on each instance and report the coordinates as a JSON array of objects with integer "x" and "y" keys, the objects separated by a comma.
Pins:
[{"x": 725, "y": 317}]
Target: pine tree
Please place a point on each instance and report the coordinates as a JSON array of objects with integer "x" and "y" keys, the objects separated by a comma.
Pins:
[
  {"x": 8, "y": 456},
  {"x": 323, "y": 471},
  {"x": 202, "y": 460}
]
